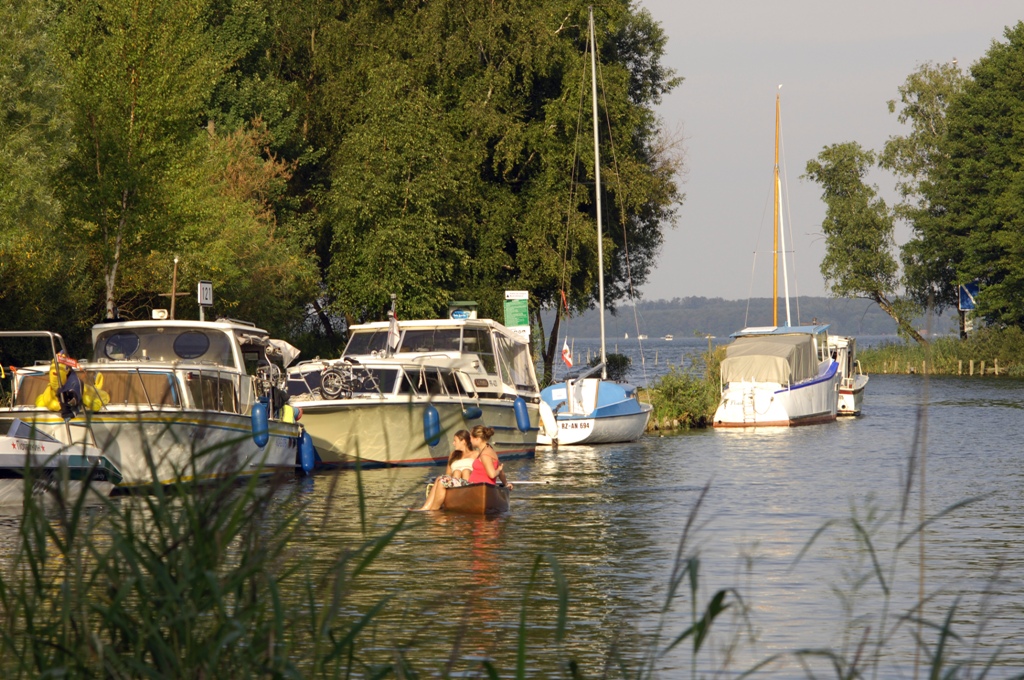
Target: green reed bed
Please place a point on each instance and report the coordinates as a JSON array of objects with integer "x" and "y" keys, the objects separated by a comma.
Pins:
[
  {"x": 197, "y": 582},
  {"x": 1001, "y": 351}
]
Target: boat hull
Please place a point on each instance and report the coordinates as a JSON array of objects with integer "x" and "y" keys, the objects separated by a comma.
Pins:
[
  {"x": 582, "y": 430},
  {"x": 755, "y": 404},
  {"x": 53, "y": 469},
  {"x": 477, "y": 499},
  {"x": 165, "y": 446},
  {"x": 384, "y": 432},
  {"x": 851, "y": 399},
  {"x": 594, "y": 411}
]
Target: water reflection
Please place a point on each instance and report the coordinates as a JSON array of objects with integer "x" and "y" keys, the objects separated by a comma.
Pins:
[{"x": 613, "y": 517}]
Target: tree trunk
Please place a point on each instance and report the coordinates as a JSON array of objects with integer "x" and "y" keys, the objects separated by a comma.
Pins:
[
  {"x": 325, "y": 320},
  {"x": 548, "y": 355},
  {"x": 886, "y": 307}
]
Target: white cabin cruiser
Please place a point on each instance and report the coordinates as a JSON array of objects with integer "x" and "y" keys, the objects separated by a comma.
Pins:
[
  {"x": 851, "y": 388},
  {"x": 401, "y": 389},
  {"x": 167, "y": 401}
]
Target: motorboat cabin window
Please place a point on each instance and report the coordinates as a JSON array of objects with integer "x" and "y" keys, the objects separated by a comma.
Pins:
[
  {"x": 120, "y": 346},
  {"x": 478, "y": 341},
  {"x": 367, "y": 342},
  {"x": 191, "y": 344},
  {"x": 211, "y": 391},
  {"x": 431, "y": 340},
  {"x": 303, "y": 383},
  {"x": 514, "y": 359},
  {"x": 160, "y": 343},
  {"x": 430, "y": 381}
]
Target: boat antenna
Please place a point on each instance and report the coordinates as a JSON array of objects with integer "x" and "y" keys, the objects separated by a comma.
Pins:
[{"x": 597, "y": 192}]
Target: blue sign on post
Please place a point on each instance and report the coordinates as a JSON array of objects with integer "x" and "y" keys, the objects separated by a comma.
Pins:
[{"x": 968, "y": 293}]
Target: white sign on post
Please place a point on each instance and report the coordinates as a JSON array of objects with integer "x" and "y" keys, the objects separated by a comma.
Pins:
[
  {"x": 205, "y": 298},
  {"x": 206, "y": 293}
]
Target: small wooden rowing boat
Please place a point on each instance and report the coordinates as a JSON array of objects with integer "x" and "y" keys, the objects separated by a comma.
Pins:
[{"x": 477, "y": 499}]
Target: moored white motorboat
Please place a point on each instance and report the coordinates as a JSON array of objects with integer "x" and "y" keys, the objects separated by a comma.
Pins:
[
  {"x": 167, "y": 401},
  {"x": 399, "y": 401},
  {"x": 843, "y": 350},
  {"x": 585, "y": 409},
  {"x": 33, "y": 462}
]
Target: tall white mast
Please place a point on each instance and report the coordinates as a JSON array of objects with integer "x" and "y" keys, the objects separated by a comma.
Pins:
[{"x": 597, "y": 186}]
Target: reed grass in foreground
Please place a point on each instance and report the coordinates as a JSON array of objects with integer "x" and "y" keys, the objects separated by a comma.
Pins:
[{"x": 191, "y": 582}]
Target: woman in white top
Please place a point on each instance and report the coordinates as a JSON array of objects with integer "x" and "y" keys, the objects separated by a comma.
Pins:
[{"x": 460, "y": 464}]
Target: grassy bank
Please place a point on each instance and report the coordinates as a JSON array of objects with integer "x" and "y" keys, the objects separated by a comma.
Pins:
[
  {"x": 684, "y": 400},
  {"x": 992, "y": 351}
]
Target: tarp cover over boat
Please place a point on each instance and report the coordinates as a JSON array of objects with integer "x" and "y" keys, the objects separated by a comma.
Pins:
[{"x": 783, "y": 359}]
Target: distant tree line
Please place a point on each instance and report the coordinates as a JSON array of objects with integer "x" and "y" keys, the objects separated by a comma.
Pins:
[
  {"x": 699, "y": 316},
  {"x": 312, "y": 158},
  {"x": 960, "y": 178}
]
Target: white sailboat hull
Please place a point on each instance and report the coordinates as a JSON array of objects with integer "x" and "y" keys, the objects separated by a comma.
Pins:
[
  {"x": 756, "y": 404},
  {"x": 582, "y": 430}
]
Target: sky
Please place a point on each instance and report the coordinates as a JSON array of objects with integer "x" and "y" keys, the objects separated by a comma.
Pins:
[{"x": 838, "y": 64}]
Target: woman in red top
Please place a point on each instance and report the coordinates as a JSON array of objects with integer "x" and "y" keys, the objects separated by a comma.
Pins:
[{"x": 486, "y": 467}]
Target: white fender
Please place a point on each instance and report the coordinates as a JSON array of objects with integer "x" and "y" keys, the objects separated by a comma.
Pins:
[{"x": 547, "y": 421}]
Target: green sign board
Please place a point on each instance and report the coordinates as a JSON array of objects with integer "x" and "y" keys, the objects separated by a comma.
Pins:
[{"x": 517, "y": 308}]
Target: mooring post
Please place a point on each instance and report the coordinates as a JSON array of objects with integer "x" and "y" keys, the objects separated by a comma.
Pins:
[
  {"x": 982, "y": 368},
  {"x": 972, "y": 367},
  {"x": 960, "y": 367}
]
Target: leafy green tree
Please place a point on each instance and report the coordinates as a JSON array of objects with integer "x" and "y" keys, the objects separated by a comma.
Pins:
[
  {"x": 925, "y": 96},
  {"x": 858, "y": 227},
  {"x": 41, "y": 283},
  {"x": 458, "y": 164},
  {"x": 974, "y": 222},
  {"x": 136, "y": 76}
]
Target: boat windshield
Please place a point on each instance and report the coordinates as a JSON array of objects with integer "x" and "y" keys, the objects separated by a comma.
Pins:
[
  {"x": 164, "y": 344},
  {"x": 367, "y": 342},
  {"x": 514, "y": 359},
  {"x": 431, "y": 340},
  {"x": 478, "y": 341}
]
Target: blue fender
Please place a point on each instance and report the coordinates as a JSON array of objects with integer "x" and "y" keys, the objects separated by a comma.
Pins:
[
  {"x": 522, "y": 414},
  {"x": 472, "y": 412},
  {"x": 431, "y": 425},
  {"x": 260, "y": 424},
  {"x": 307, "y": 453}
]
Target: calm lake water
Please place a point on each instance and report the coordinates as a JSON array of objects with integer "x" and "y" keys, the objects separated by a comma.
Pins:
[{"x": 613, "y": 516}]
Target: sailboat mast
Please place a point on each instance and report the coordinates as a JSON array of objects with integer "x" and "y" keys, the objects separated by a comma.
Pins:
[
  {"x": 775, "y": 224},
  {"x": 597, "y": 191}
]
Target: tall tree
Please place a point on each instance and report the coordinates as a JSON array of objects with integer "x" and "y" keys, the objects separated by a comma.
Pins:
[
  {"x": 457, "y": 134},
  {"x": 859, "y": 260},
  {"x": 973, "y": 228},
  {"x": 925, "y": 97},
  {"x": 40, "y": 278},
  {"x": 137, "y": 76}
]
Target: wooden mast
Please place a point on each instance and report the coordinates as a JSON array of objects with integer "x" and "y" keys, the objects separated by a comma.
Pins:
[{"x": 775, "y": 224}]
